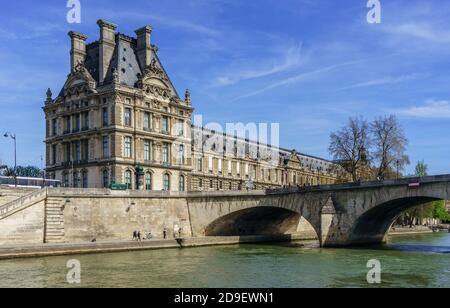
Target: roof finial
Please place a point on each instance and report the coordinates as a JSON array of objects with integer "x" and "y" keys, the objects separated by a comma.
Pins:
[
  {"x": 187, "y": 97},
  {"x": 49, "y": 96}
]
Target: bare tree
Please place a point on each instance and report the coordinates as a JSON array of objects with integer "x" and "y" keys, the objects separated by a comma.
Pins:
[
  {"x": 347, "y": 145},
  {"x": 389, "y": 142}
]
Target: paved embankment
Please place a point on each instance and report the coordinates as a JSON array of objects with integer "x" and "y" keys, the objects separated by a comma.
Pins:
[
  {"x": 409, "y": 231},
  {"x": 46, "y": 250}
]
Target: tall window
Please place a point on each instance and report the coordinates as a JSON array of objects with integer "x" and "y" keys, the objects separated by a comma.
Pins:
[
  {"x": 105, "y": 146},
  {"x": 105, "y": 176},
  {"x": 128, "y": 176},
  {"x": 147, "y": 150},
  {"x": 238, "y": 168},
  {"x": 75, "y": 180},
  {"x": 200, "y": 164},
  {"x": 68, "y": 125},
  {"x": 147, "y": 121},
  {"x": 127, "y": 117},
  {"x": 84, "y": 176},
  {"x": 254, "y": 173},
  {"x": 210, "y": 164},
  {"x": 148, "y": 181},
  {"x": 181, "y": 154},
  {"x": 54, "y": 127},
  {"x": 166, "y": 182},
  {"x": 219, "y": 165},
  {"x": 54, "y": 154},
  {"x": 181, "y": 185},
  {"x": 127, "y": 147},
  {"x": 246, "y": 169},
  {"x": 85, "y": 120},
  {"x": 66, "y": 180},
  {"x": 105, "y": 117},
  {"x": 68, "y": 152},
  {"x": 230, "y": 169},
  {"x": 165, "y": 124},
  {"x": 165, "y": 153},
  {"x": 180, "y": 128},
  {"x": 77, "y": 150},
  {"x": 77, "y": 122}
]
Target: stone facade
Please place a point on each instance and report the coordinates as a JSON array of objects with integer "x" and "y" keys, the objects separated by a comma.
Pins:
[{"x": 119, "y": 119}]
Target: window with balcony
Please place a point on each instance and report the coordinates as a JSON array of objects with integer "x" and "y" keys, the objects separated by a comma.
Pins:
[
  {"x": 84, "y": 179},
  {"x": 67, "y": 125},
  {"x": 210, "y": 164},
  {"x": 127, "y": 117},
  {"x": 85, "y": 121},
  {"x": 127, "y": 147},
  {"x": 77, "y": 125},
  {"x": 77, "y": 150}
]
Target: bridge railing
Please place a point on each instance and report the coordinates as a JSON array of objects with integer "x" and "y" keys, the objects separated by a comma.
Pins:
[{"x": 357, "y": 185}]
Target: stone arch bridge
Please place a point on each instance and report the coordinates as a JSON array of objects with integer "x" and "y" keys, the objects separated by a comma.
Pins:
[
  {"x": 340, "y": 215},
  {"x": 337, "y": 215}
]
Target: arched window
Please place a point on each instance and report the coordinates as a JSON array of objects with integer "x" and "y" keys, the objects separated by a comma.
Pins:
[
  {"x": 181, "y": 185},
  {"x": 166, "y": 182},
  {"x": 105, "y": 179},
  {"x": 148, "y": 181},
  {"x": 84, "y": 177},
  {"x": 128, "y": 177}
]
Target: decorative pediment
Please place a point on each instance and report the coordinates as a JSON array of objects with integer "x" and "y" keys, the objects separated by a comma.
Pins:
[
  {"x": 155, "y": 81},
  {"x": 79, "y": 81}
]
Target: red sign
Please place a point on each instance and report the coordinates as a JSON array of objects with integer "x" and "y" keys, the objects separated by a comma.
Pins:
[{"x": 414, "y": 185}]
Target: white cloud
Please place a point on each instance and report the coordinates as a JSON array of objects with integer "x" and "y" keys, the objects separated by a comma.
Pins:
[
  {"x": 389, "y": 80},
  {"x": 421, "y": 30},
  {"x": 296, "y": 79},
  {"x": 291, "y": 59},
  {"x": 432, "y": 109}
]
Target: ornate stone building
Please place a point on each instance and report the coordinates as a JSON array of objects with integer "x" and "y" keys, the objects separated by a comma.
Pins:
[{"x": 119, "y": 120}]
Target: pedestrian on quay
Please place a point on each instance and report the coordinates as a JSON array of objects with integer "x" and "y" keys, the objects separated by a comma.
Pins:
[
  {"x": 134, "y": 235},
  {"x": 139, "y": 236},
  {"x": 165, "y": 232}
]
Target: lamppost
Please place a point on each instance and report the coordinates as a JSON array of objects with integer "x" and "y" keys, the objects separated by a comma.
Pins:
[
  {"x": 13, "y": 137},
  {"x": 398, "y": 169}
]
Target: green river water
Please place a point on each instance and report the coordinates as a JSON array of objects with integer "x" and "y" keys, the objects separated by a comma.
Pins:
[{"x": 407, "y": 261}]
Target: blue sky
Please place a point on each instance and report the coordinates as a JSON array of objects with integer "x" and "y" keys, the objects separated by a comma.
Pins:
[{"x": 306, "y": 64}]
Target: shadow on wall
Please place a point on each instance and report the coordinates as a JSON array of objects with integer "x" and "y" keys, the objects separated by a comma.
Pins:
[{"x": 259, "y": 221}]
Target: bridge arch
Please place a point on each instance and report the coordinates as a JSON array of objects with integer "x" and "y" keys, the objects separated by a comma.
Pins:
[
  {"x": 373, "y": 225},
  {"x": 261, "y": 220}
]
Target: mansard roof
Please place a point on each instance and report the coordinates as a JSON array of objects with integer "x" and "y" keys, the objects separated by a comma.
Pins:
[{"x": 124, "y": 62}]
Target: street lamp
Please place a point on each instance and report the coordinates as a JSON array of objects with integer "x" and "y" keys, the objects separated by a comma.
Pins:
[{"x": 13, "y": 137}]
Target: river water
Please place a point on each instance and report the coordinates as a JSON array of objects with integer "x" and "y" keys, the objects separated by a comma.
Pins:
[{"x": 407, "y": 261}]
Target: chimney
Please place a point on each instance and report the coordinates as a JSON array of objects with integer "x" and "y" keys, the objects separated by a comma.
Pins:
[
  {"x": 107, "y": 44},
  {"x": 144, "y": 48},
  {"x": 78, "y": 49}
]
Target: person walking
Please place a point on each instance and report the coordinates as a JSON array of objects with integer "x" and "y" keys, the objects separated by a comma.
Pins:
[
  {"x": 134, "y": 235},
  {"x": 165, "y": 232},
  {"x": 139, "y": 236}
]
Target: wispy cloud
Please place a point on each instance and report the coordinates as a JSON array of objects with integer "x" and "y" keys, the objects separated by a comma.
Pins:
[
  {"x": 297, "y": 78},
  {"x": 389, "y": 80},
  {"x": 291, "y": 59},
  {"x": 432, "y": 109},
  {"x": 421, "y": 30}
]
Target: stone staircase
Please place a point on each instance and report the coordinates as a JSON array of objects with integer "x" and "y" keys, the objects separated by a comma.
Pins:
[
  {"x": 54, "y": 221},
  {"x": 22, "y": 203}
]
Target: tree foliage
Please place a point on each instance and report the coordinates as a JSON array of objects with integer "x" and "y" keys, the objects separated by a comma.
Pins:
[
  {"x": 421, "y": 169},
  {"x": 380, "y": 145},
  {"x": 22, "y": 171},
  {"x": 347, "y": 144}
]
